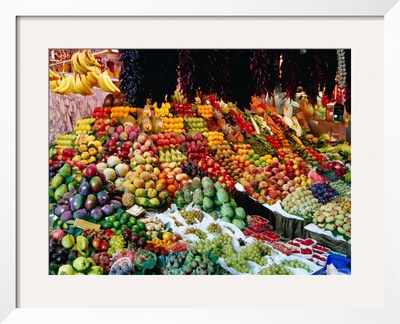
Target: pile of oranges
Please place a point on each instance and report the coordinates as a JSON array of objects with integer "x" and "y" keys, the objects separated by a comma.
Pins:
[
  {"x": 122, "y": 112},
  {"x": 174, "y": 124},
  {"x": 205, "y": 110}
]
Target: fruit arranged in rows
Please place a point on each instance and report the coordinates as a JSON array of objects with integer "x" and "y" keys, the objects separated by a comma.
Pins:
[
  {"x": 205, "y": 110},
  {"x": 214, "y": 138},
  {"x": 306, "y": 155},
  {"x": 242, "y": 149},
  {"x": 173, "y": 124},
  {"x": 101, "y": 112},
  {"x": 319, "y": 157},
  {"x": 196, "y": 147},
  {"x": 171, "y": 156},
  {"x": 183, "y": 110},
  {"x": 334, "y": 170},
  {"x": 195, "y": 124},
  {"x": 122, "y": 112},
  {"x": 216, "y": 172},
  {"x": 64, "y": 140},
  {"x": 163, "y": 110},
  {"x": 84, "y": 125}
]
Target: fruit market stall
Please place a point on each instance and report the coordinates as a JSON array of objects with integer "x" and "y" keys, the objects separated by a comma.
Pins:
[{"x": 189, "y": 186}]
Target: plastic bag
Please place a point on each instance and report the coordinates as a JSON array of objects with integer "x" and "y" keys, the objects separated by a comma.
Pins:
[{"x": 123, "y": 266}]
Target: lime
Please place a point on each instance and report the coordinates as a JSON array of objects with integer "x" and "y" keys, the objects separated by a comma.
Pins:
[
  {"x": 112, "y": 218},
  {"x": 135, "y": 229},
  {"x": 142, "y": 233},
  {"x": 118, "y": 232},
  {"x": 123, "y": 221},
  {"x": 141, "y": 225},
  {"x": 126, "y": 215},
  {"x": 149, "y": 237},
  {"x": 129, "y": 224},
  {"x": 116, "y": 224},
  {"x": 114, "y": 230},
  {"x": 133, "y": 220},
  {"x": 107, "y": 225},
  {"x": 123, "y": 227}
]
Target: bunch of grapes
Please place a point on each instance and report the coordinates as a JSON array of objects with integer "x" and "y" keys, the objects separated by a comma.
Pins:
[
  {"x": 104, "y": 260},
  {"x": 276, "y": 270},
  {"x": 198, "y": 232},
  {"x": 219, "y": 245},
  {"x": 190, "y": 216},
  {"x": 296, "y": 264},
  {"x": 255, "y": 252},
  {"x": 237, "y": 262},
  {"x": 214, "y": 228}
]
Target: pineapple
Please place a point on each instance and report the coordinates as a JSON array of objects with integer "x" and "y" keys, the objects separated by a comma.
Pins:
[{"x": 128, "y": 199}]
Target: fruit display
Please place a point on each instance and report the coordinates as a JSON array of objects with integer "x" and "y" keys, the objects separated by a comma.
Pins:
[
  {"x": 173, "y": 124},
  {"x": 335, "y": 216},
  {"x": 139, "y": 190},
  {"x": 301, "y": 202},
  {"x": 122, "y": 112},
  {"x": 214, "y": 138},
  {"x": 190, "y": 262},
  {"x": 194, "y": 124},
  {"x": 205, "y": 110},
  {"x": 332, "y": 171},
  {"x": 84, "y": 125},
  {"x": 342, "y": 188},
  {"x": 324, "y": 192},
  {"x": 163, "y": 110}
]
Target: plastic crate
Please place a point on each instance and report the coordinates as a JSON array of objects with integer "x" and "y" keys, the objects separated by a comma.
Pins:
[{"x": 342, "y": 264}]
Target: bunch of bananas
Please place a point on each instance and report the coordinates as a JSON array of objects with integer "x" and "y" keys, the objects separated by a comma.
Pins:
[
  {"x": 55, "y": 79},
  {"x": 86, "y": 65}
]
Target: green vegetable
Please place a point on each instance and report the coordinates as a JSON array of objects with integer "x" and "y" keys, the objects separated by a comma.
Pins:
[
  {"x": 347, "y": 177},
  {"x": 226, "y": 219},
  {"x": 233, "y": 203}
]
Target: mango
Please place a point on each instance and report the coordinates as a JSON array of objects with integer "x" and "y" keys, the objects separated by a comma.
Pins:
[
  {"x": 68, "y": 241},
  {"x": 330, "y": 227},
  {"x": 330, "y": 219},
  {"x": 76, "y": 202},
  {"x": 347, "y": 227},
  {"x": 154, "y": 202},
  {"x": 65, "y": 171},
  {"x": 96, "y": 183},
  {"x": 82, "y": 243},
  {"x": 142, "y": 201},
  {"x": 91, "y": 202},
  {"x": 84, "y": 188},
  {"x": 80, "y": 214},
  {"x": 60, "y": 191},
  {"x": 57, "y": 181},
  {"x": 340, "y": 230}
]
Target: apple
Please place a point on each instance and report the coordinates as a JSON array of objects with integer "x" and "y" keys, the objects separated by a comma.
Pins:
[{"x": 91, "y": 170}]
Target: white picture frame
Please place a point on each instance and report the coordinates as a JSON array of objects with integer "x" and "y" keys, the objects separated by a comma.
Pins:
[{"x": 389, "y": 10}]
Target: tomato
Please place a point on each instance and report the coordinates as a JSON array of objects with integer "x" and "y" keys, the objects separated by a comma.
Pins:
[{"x": 96, "y": 243}]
